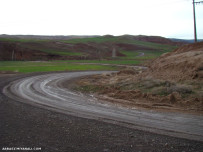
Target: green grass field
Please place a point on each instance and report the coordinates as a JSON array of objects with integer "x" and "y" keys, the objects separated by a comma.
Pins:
[
  {"x": 29, "y": 66},
  {"x": 69, "y": 65}
]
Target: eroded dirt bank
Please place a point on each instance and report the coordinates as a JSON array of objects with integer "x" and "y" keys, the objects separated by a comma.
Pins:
[
  {"x": 126, "y": 88},
  {"x": 172, "y": 82},
  {"x": 23, "y": 125}
]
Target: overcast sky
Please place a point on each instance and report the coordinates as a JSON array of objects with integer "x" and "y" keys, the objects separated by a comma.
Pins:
[{"x": 168, "y": 18}]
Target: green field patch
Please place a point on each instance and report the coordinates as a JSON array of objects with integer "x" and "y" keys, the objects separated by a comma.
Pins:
[{"x": 27, "y": 66}]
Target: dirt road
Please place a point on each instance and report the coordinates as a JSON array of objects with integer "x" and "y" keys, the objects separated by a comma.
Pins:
[{"x": 47, "y": 91}]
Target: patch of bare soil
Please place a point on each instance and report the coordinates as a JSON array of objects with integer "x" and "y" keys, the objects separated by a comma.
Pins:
[{"x": 172, "y": 82}]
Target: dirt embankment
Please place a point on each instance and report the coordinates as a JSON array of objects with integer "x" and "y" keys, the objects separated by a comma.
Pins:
[
  {"x": 173, "y": 81},
  {"x": 182, "y": 64}
]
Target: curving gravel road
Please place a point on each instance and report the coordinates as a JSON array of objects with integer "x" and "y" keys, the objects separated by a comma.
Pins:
[{"x": 47, "y": 91}]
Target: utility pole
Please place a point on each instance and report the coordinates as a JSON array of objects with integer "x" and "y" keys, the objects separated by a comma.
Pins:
[{"x": 194, "y": 16}]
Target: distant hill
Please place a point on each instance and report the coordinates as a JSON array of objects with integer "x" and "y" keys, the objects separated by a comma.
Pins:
[
  {"x": 154, "y": 39},
  {"x": 29, "y": 47}
]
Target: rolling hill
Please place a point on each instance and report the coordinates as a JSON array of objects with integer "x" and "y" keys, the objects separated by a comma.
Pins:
[{"x": 83, "y": 47}]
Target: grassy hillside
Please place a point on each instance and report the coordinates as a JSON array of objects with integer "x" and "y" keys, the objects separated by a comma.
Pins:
[
  {"x": 128, "y": 50},
  {"x": 121, "y": 39}
]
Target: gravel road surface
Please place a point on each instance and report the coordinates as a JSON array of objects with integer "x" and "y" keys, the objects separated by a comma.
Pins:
[{"x": 45, "y": 93}]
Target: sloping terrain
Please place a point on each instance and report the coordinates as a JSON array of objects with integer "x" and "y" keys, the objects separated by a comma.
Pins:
[
  {"x": 81, "y": 48},
  {"x": 173, "y": 81},
  {"x": 183, "y": 63}
]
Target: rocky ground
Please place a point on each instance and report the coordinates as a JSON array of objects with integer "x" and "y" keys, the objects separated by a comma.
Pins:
[{"x": 23, "y": 125}]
